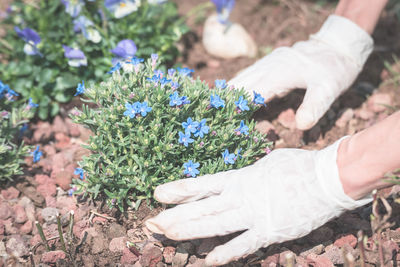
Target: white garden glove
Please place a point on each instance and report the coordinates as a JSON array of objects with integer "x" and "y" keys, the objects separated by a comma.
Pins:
[
  {"x": 283, "y": 196},
  {"x": 327, "y": 64}
]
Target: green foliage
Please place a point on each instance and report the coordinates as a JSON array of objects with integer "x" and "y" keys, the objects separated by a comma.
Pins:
[
  {"x": 12, "y": 150},
  {"x": 49, "y": 80},
  {"x": 131, "y": 156}
]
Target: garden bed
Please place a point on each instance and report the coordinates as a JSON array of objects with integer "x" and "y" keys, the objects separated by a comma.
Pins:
[{"x": 100, "y": 234}]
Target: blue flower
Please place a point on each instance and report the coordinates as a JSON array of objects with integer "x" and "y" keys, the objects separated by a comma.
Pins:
[
  {"x": 171, "y": 72},
  {"x": 258, "y": 99},
  {"x": 164, "y": 81},
  {"x": 190, "y": 126},
  {"x": 220, "y": 84},
  {"x": 191, "y": 168},
  {"x": 155, "y": 79},
  {"x": 131, "y": 109},
  {"x": 243, "y": 129},
  {"x": 229, "y": 158},
  {"x": 36, "y": 154},
  {"x": 31, "y": 38},
  {"x": 216, "y": 101},
  {"x": 175, "y": 99},
  {"x": 73, "y": 7},
  {"x": 136, "y": 60},
  {"x": 8, "y": 92},
  {"x": 31, "y": 104},
  {"x": 116, "y": 67},
  {"x": 202, "y": 129},
  {"x": 184, "y": 138},
  {"x": 125, "y": 49},
  {"x": 144, "y": 109},
  {"x": 23, "y": 129},
  {"x": 121, "y": 8},
  {"x": 80, "y": 89},
  {"x": 86, "y": 26},
  {"x": 238, "y": 155},
  {"x": 185, "y": 71},
  {"x": 242, "y": 104},
  {"x": 224, "y": 8},
  {"x": 80, "y": 172},
  {"x": 76, "y": 57},
  {"x": 159, "y": 73},
  {"x": 174, "y": 85}
]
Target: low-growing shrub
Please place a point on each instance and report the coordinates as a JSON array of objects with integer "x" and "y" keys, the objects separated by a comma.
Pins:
[
  {"x": 51, "y": 45},
  {"x": 12, "y": 125},
  {"x": 152, "y": 127}
]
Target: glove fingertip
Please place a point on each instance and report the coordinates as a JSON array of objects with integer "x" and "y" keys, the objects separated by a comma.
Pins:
[
  {"x": 305, "y": 119},
  {"x": 153, "y": 226}
]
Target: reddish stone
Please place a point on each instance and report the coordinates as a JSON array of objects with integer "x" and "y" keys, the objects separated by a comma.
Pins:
[
  {"x": 100, "y": 220},
  {"x": 128, "y": 257},
  {"x": 26, "y": 228},
  {"x": 49, "y": 150},
  {"x": 347, "y": 239},
  {"x": 79, "y": 228},
  {"x": 43, "y": 179},
  {"x": 273, "y": 259},
  {"x": 59, "y": 126},
  {"x": 52, "y": 257},
  {"x": 285, "y": 256},
  {"x": 346, "y": 116},
  {"x": 19, "y": 214},
  {"x": 2, "y": 227},
  {"x": 50, "y": 201},
  {"x": 72, "y": 127},
  {"x": 287, "y": 119},
  {"x": 64, "y": 179},
  {"x": 10, "y": 193},
  {"x": 47, "y": 189},
  {"x": 66, "y": 203},
  {"x": 5, "y": 211},
  {"x": 42, "y": 132},
  {"x": 151, "y": 255},
  {"x": 62, "y": 141},
  {"x": 168, "y": 254},
  {"x": 35, "y": 240},
  {"x": 264, "y": 126},
  {"x": 118, "y": 244},
  {"x": 378, "y": 102},
  {"x": 319, "y": 261}
]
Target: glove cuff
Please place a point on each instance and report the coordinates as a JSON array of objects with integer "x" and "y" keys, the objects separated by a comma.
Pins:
[
  {"x": 328, "y": 176},
  {"x": 347, "y": 38}
]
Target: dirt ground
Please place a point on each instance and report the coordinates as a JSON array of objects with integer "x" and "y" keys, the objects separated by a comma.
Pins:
[{"x": 99, "y": 235}]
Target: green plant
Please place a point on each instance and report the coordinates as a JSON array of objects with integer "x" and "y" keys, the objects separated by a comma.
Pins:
[
  {"x": 12, "y": 123},
  {"x": 51, "y": 45},
  {"x": 152, "y": 127}
]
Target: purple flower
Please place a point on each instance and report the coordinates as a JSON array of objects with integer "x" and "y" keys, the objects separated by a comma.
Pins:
[
  {"x": 191, "y": 168},
  {"x": 125, "y": 49},
  {"x": 86, "y": 26},
  {"x": 154, "y": 58},
  {"x": 171, "y": 72},
  {"x": 184, "y": 138},
  {"x": 73, "y": 7},
  {"x": 31, "y": 38},
  {"x": 121, "y": 8},
  {"x": 76, "y": 57},
  {"x": 224, "y": 8}
]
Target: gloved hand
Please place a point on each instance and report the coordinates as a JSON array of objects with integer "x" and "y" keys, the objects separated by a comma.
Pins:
[
  {"x": 326, "y": 65},
  {"x": 283, "y": 196}
]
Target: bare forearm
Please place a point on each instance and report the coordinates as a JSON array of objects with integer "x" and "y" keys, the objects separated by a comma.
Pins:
[
  {"x": 364, "y": 158},
  {"x": 365, "y": 13}
]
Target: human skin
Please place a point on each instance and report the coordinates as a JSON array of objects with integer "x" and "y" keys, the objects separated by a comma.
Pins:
[{"x": 364, "y": 158}]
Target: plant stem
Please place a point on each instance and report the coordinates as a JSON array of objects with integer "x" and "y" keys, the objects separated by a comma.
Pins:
[
  {"x": 60, "y": 233},
  {"x": 42, "y": 236}
]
